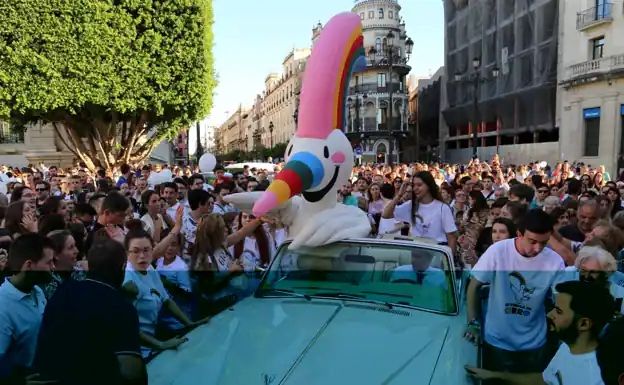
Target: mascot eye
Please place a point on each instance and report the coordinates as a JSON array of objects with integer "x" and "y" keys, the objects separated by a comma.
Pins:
[
  {"x": 326, "y": 152},
  {"x": 289, "y": 150}
]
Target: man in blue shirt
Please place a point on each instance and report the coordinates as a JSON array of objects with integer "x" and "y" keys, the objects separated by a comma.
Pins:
[
  {"x": 90, "y": 333},
  {"x": 22, "y": 304}
]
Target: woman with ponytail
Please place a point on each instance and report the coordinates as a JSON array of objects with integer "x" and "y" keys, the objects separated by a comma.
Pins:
[{"x": 429, "y": 216}]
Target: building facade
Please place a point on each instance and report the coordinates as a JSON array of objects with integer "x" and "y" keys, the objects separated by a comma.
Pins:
[
  {"x": 591, "y": 83},
  {"x": 280, "y": 99},
  {"x": 377, "y": 107},
  {"x": 499, "y": 88},
  {"x": 230, "y": 136},
  {"x": 271, "y": 119}
]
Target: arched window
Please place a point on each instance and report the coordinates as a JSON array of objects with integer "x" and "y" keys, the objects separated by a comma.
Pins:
[
  {"x": 381, "y": 13},
  {"x": 378, "y": 45}
]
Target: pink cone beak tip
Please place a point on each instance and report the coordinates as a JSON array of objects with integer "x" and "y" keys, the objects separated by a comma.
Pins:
[{"x": 266, "y": 203}]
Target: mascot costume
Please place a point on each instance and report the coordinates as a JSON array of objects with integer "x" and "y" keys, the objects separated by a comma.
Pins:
[{"x": 319, "y": 158}]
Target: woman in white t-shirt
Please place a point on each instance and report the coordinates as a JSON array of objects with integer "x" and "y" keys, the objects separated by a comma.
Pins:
[{"x": 428, "y": 215}]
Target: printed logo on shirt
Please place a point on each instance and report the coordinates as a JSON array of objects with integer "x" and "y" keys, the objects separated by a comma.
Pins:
[{"x": 522, "y": 294}]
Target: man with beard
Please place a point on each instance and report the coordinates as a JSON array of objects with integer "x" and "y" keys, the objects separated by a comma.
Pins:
[
  {"x": 90, "y": 332},
  {"x": 22, "y": 303},
  {"x": 581, "y": 311}
]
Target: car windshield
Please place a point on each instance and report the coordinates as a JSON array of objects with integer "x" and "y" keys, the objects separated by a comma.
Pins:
[{"x": 393, "y": 274}]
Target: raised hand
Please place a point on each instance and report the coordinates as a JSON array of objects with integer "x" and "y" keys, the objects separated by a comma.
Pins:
[{"x": 29, "y": 222}]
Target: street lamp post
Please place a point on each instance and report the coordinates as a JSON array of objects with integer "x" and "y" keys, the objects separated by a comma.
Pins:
[
  {"x": 476, "y": 65},
  {"x": 271, "y": 132},
  {"x": 390, "y": 58},
  {"x": 476, "y": 80}
]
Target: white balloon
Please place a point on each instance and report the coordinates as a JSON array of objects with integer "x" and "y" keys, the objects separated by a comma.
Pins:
[
  {"x": 207, "y": 162},
  {"x": 166, "y": 175}
]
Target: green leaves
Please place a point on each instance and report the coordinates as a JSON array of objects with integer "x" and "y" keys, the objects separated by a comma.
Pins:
[{"x": 60, "y": 57}]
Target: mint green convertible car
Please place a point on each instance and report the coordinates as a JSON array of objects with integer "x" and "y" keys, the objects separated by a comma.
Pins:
[{"x": 360, "y": 311}]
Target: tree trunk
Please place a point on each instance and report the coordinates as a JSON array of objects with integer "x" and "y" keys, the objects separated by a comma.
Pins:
[{"x": 101, "y": 144}]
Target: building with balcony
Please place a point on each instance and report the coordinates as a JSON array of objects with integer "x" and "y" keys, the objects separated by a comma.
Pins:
[
  {"x": 377, "y": 105},
  {"x": 591, "y": 82},
  {"x": 499, "y": 89},
  {"x": 280, "y": 99},
  {"x": 230, "y": 136},
  {"x": 272, "y": 118}
]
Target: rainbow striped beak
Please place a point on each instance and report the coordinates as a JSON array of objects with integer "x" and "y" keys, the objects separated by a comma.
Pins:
[{"x": 303, "y": 171}]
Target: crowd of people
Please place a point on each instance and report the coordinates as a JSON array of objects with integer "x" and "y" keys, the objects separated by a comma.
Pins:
[{"x": 103, "y": 270}]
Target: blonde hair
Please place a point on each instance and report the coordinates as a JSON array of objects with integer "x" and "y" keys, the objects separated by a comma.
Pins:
[
  {"x": 209, "y": 237},
  {"x": 604, "y": 258}
]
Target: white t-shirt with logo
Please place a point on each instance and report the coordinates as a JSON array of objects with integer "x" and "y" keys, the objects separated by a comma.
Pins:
[
  {"x": 572, "y": 369},
  {"x": 516, "y": 317},
  {"x": 436, "y": 220}
]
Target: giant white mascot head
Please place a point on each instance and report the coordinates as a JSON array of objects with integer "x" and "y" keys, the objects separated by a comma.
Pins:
[{"x": 319, "y": 158}]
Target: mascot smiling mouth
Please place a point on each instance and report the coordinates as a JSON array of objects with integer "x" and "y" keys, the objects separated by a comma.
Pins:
[{"x": 315, "y": 196}]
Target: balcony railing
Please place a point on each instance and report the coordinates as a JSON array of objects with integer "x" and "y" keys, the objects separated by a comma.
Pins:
[
  {"x": 598, "y": 14},
  {"x": 374, "y": 88},
  {"x": 595, "y": 67},
  {"x": 11, "y": 137}
]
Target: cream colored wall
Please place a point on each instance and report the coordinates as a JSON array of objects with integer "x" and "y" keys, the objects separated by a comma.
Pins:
[
  {"x": 575, "y": 44},
  {"x": 572, "y": 129},
  {"x": 574, "y": 49}
]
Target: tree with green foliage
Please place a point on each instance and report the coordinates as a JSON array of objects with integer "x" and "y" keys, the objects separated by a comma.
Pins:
[{"x": 114, "y": 77}]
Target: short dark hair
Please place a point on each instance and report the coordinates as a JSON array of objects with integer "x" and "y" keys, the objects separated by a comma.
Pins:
[
  {"x": 194, "y": 177},
  {"x": 180, "y": 181},
  {"x": 499, "y": 203},
  {"x": 511, "y": 226},
  {"x": 145, "y": 197},
  {"x": 50, "y": 206},
  {"x": 591, "y": 300},
  {"x": 222, "y": 186},
  {"x": 106, "y": 259},
  {"x": 136, "y": 233},
  {"x": 115, "y": 203},
  {"x": 84, "y": 208},
  {"x": 487, "y": 176},
  {"x": 125, "y": 168},
  {"x": 574, "y": 186},
  {"x": 51, "y": 223},
  {"x": 536, "y": 221},
  {"x": 197, "y": 198},
  {"x": 522, "y": 191},
  {"x": 28, "y": 247},
  {"x": 609, "y": 352},
  {"x": 171, "y": 185}
]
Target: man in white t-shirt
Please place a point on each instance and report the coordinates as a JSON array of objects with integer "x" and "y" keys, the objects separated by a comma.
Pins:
[
  {"x": 581, "y": 311},
  {"x": 520, "y": 272}
]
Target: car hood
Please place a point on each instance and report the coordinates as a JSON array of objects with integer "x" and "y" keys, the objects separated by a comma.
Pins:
[{"x": 292, "y": 341}]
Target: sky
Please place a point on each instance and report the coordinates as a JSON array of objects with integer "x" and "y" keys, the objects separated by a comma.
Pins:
[{"x": 252, "y": 38}]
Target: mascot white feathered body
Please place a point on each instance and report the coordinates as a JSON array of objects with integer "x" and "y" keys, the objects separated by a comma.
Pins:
[{"x": 319, "y": 158}]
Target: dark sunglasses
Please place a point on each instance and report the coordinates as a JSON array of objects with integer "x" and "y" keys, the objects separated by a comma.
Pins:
[{"x": 41, "y": 189}]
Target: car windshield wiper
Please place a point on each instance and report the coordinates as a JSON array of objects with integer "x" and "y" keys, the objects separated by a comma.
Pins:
[
  {"x": 353, "y": 296},
  {"x": 284, "y": 291},
  {"x": 339, "y": 295}
]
